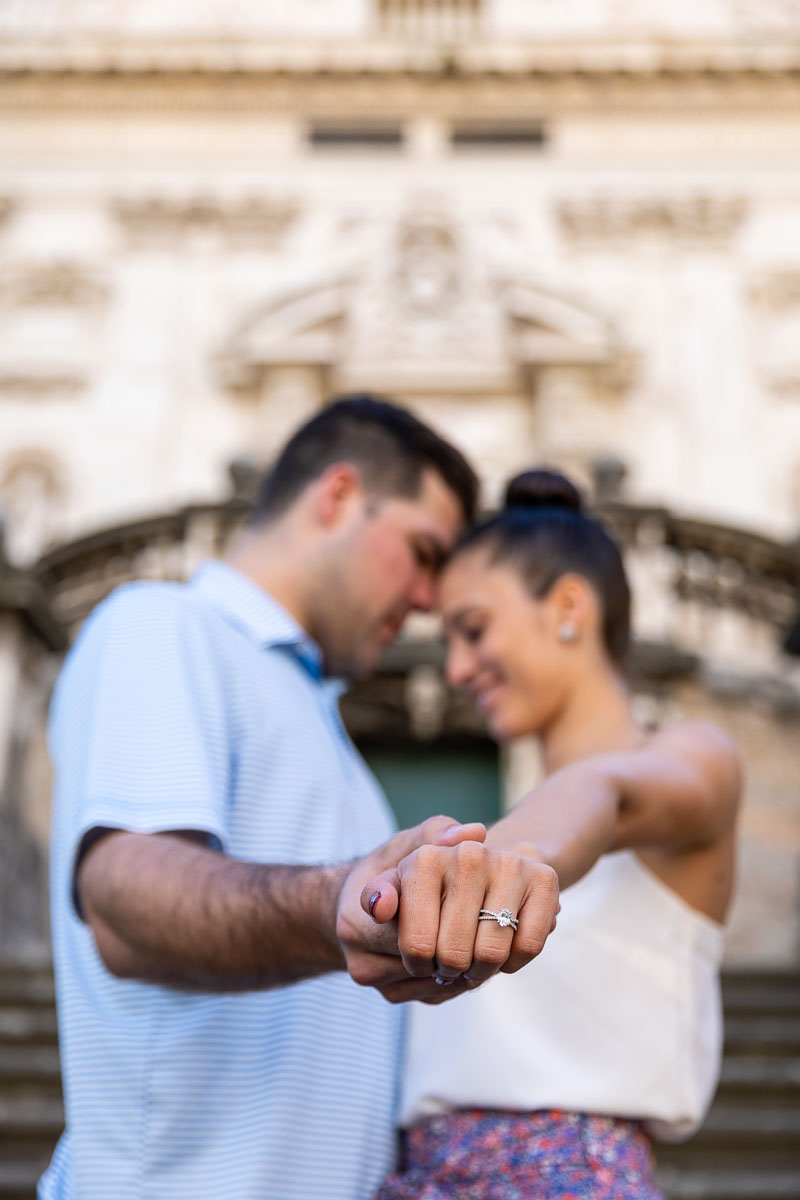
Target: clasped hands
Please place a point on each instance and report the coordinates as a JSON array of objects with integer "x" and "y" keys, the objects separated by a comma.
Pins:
[{"x": 420, "y": 939}]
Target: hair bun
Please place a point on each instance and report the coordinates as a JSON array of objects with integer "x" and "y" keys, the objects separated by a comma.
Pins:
[{"x": 543, "y": 489}]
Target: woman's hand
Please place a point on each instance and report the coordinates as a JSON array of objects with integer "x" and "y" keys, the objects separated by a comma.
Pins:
[
  {"x": 370, "y": 948},
  {"x": 436, "y": 895}
]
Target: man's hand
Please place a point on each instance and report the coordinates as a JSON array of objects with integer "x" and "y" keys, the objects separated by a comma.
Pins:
[
  {"x": 371, "y": 952},
  {"x": 432, "y": 901}
]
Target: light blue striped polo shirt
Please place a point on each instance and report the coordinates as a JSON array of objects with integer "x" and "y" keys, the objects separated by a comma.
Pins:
[{"x": 202, "y": 706}]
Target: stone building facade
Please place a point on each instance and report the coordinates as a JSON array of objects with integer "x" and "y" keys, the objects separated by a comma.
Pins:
[{"x": 565, "y": 233}]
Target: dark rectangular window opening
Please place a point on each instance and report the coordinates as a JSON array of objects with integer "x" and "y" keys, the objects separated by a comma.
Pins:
[
  {"x": 497, "y": 136},
  {"x": 340, "y": 136}
]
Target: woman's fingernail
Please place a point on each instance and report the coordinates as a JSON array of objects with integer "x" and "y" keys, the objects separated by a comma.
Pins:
[
  {"x": 443, "y": 982},
  {"x": 373, "y": 900}
]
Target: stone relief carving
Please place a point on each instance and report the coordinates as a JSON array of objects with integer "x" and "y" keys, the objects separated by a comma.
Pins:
[
  {"x": 57, "y": 284},
  {"x": 776, "y": 291},
  {"x": 701, "y": 217},
  {"x": 29, "y": 490},
  {"x": 252, "y": 221},
  {"x": 546, "y": 328},
  {"x": 785, "y": 385},
  {"x": 431, "y": 18},
  {"x": 301, "y": 327},
  {"x": 427, "y": 272},
  {"x": 34, "y": 382}
]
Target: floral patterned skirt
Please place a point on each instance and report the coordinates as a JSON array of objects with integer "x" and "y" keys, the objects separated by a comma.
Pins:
[{"x": 481, "y": 1155}]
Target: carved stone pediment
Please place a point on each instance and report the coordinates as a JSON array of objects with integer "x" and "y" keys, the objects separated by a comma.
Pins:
[
  {"x": 547, "y": 328},
  {"x": 302, "y": 326},
  {"x": 412, "y": 331}
]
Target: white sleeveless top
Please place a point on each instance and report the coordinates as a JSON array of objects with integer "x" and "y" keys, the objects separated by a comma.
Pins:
[{"x": 620, "y": 1015}]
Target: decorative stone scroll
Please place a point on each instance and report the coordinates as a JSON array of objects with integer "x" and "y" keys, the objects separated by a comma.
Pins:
[
  {"x": 698, "y": 217},
  {"x": 161, "y": 220}
]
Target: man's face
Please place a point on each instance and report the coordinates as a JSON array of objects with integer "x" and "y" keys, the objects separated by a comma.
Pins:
[{"x": 387, "y": 557}]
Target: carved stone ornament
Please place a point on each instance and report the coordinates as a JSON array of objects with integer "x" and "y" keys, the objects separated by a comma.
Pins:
[
  {"x": 776, "y": 291},
  {"x": 301, "y": 327},
  {"x": 449, "y": 19},
  {"x": 699, "y": 217},
  {"x": 427, "y": 266},
  {"x": 253, "y": 221},
  {"x": 57, "y": 284},
  {"x": 32, "y": 381}
]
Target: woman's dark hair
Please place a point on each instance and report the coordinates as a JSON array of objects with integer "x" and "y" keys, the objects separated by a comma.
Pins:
[{"x": 543, "y": 532}]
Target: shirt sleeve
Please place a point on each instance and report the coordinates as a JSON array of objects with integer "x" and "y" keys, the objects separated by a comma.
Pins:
[{"x": 139, "y": 727}]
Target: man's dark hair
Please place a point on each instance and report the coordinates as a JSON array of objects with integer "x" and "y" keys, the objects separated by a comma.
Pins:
[{"x": 388, "y": 444}]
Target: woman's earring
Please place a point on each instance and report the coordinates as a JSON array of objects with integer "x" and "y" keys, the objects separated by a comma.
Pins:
[{"x": 566, "y": 632}]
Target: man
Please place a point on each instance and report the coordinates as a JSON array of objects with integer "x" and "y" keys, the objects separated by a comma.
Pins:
[{"x": 204, "y": 783}]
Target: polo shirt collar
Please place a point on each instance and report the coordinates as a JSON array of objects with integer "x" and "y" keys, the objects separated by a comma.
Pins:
[{"x": 255, "y": 612}]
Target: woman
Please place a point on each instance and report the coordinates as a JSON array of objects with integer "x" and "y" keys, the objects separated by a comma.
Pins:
[{"x": 549, "y": 1083}]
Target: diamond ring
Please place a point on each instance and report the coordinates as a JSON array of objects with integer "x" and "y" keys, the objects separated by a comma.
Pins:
[{"x": 505, "y": 917}]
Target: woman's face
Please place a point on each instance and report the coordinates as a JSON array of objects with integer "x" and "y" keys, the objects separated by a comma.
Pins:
[{"x": 503, "y": 648}]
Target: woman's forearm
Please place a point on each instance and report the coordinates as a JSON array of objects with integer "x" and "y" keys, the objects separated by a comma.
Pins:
[{"x": 566, "y": 822}]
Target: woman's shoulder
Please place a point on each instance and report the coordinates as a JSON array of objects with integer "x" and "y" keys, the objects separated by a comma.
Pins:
[
  {"x": 696, "y": 737},
  {"x": 706, "y": 749}
]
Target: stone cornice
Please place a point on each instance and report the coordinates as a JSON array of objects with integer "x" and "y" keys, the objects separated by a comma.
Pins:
[
  {"x": 186, "y": 75},
  {"x": 386, "y": 57},
  {"x": 362, "y": 96}
]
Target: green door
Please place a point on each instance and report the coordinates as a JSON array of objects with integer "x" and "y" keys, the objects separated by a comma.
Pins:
[{"x": 462, "y": 781}]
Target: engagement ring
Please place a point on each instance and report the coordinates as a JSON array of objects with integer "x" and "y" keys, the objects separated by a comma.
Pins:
[{"x": 504, "y": 917}]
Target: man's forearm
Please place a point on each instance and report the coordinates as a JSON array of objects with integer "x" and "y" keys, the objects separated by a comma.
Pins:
[{"x": 167, "y": 911}]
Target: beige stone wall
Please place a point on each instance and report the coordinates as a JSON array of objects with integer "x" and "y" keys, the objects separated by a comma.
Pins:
[{"x": 179, "y": 281}]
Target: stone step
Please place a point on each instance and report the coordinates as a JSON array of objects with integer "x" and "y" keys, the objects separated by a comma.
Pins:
[
  {"x": 21, "y": 985},
  {"x": 747, "y": 1074},
  {"x": 775, "y": 978},
  {"x": 713, "y": 1184},
  {"x": 738, "y": 1139},
  {"x": 28, "y": 1025},
  {"x": 754, "y": 996},
  {"x": 726, "y": 1121},
  {"x": 757, "y": 1034},
  {"x": 30, "y": 1118},
  {"x": 37, "y": 1065},
  {"x": 18, "y": 1178}
]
